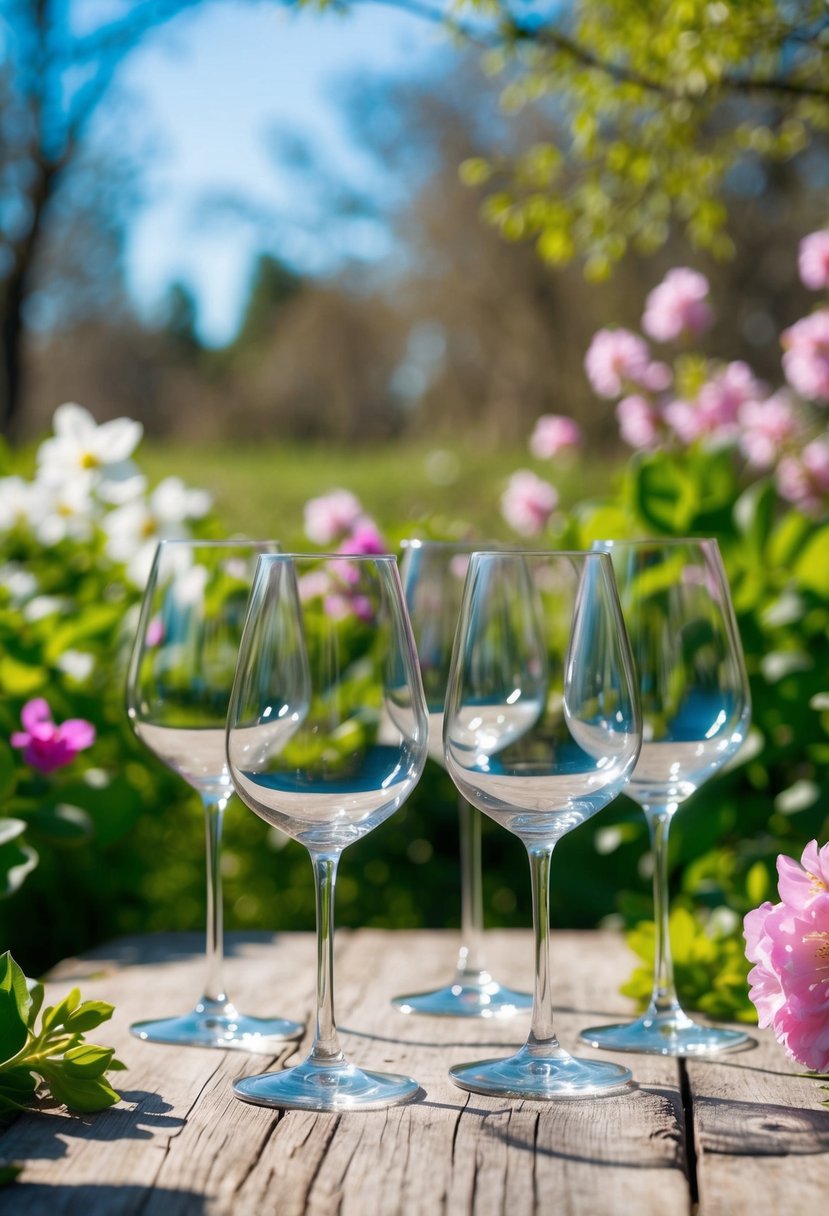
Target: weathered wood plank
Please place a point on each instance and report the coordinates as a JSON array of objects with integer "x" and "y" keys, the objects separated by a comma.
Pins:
[
  {"x": 181, "y": 1143},
  {"x": 762, "y": 1137}
]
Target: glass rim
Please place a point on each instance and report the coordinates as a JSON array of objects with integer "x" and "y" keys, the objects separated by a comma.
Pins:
[
  {"x": 328, "y": 557},
  {"x": 213, "y": 543},
  {"x": 661, "y": 541},
  {"x": 540, "y": 553}
]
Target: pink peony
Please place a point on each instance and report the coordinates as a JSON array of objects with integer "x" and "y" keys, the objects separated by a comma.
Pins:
[
  {"x": 554, "y": 433},
  {"x": 331, "y": 516},
  {"x": 813, "y": 260},
  {"x": 678, "y": 306},
  {"x": 639, "y": 421},
  {"x": 806, "y": 356},
  {"x": 528, "y": 502},
  {"x": 788, "y": 943},
  {"x": 45, "y": 745},
  {"x": 766, "y": 427},
  {"x": 615, "y": 359},
  {"x": 804, "y": 479}
]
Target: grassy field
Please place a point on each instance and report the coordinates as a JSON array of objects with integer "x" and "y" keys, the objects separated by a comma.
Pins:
[{"x": 408, "y": 488}]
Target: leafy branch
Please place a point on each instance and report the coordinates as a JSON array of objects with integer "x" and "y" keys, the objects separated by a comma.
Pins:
[{"x": 54, "y": 1057}]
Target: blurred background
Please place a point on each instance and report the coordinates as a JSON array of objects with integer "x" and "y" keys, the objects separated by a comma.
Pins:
[{"x": 280, "y": 238}]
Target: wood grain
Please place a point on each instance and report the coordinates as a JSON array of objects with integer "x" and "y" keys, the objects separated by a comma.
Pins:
[{"x": 180, "y": 1143}]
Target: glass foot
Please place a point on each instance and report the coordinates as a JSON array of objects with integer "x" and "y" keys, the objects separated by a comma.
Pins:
[
  {"x": 529, "y": 1075},
  {"x": 219, "y": 1024},
  {"x": 666, "y": 1034},
  {"x": 331, "y": 1086},
  {"x": 473, "y": 994}
]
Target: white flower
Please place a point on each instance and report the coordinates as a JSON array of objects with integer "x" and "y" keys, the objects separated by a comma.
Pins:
[
  {"x": 69, "y": 510},
  {"x": 20, "y": 503},
  {"x": 80, "y": 445},
  {"x": 44, "y": 605},
  {"x": 77, "y": 664},
  {"x": 21, "y": 584},
  {"x": 134, "y": 529}
]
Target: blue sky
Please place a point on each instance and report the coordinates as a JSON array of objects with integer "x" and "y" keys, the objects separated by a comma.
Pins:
[{"x": 209, "y": 86}]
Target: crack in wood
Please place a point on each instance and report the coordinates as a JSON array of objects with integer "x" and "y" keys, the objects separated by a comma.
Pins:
[{"x": 690, "y": 1134}]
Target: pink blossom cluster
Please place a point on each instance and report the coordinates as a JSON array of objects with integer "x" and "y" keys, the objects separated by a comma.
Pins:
[
  {"x": 338, "y": 519},
  {"x": 731, "y": 407},
  {"x": 46, "y": 745},
  {"x": 788, "y": 942}
]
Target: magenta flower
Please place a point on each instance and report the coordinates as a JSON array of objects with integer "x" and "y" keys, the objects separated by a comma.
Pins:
[
  {"x": 615, "y": 360},
  {"x": 639, "y": 421},
  {"x": 528, "y": 502},
  {"x": 766, "y": 427},
  {"x": 788, "y": 943},
  {"x": 804, "y": 479},
  {"x": 806, "y": 356},
  {"x": 678, "y": 306},
  {"x": 331, "y": 516},
  {"x": 554, "y": 433},
  {"x": 813, "y": 260},
  {"x": 47, "y": 746}
]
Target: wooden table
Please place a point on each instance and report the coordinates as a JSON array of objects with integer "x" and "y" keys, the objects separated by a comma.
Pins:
[{"x": 736, "y": 1135}]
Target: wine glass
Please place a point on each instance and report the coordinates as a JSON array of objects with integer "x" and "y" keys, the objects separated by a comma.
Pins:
[
  {"x": 180, "y": 675},
  {"x": 542, "y": 729},
  {"x": 433, "y": 575},
  {"x": 327, "y": 737},
  {"x": 696, "y": 710}
]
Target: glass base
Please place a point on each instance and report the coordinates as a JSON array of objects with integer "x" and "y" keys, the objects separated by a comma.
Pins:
[
  {"x": 334, "y": 1086},
  {"x": 473, "y": 994},
  {"x": 530, "y": 1075},
  {"x": 667, "y": 1034},
  {"x": 219, "y": 1024}
]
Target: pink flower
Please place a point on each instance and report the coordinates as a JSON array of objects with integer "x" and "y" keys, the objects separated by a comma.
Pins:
[
  {"x": 813, "y": 260},
  {"x": 331, "y": 516},
  {"x": 806, "y": 356},
  {"x": 718, "y": 403},
  {"x": 789, "y": 944},
  {"x": 678, "y": 306},
  {"x": 554, "y": 433},
  {"x": 766, "y": 427},
  {"x": 528, "y": 502},
  {"x": 45, "y": 745},
  {"x": 614, "y": 359},
  {"x": 364, "y": 538},
  {"x": 639, "y": 421},
  {"x": 804, "y": 479}
]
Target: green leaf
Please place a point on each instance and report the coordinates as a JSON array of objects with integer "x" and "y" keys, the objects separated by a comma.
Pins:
[
  {"x": 36, "y": 992},
  {"x": 20, "y": 679},
  {"x": 88, "y": 1060},
  {"x": 88, "y": 1015},
  {"x": 61, "y": 824},
  {"x": 663, "y": 494},
  {"x": 81, "y": 1093},
  {"x": 754, "y": 514},
  {"x": 15, "y": 1003},
  {"x": 9, "y": 1170},
  {"x": 757, "y": 883},
  {"x": 812, "y": 566},
  {"x": 17, "y": 1085},
  {"x": 56, "y": 1015}
]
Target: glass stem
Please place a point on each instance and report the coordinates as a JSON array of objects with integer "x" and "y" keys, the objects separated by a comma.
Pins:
[
  {"x": 542, "y": 1039},
  {"x": 214, "y": 809},
  {"x": 470, "y": 956},
  {"x": 326, "y": 1049},
  {"x": 664, "y": 998}
]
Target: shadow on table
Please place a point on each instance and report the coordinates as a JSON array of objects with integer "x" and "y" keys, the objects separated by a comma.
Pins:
[
  {"x": 40, "y": 1199},
  {"x": 44, "y": 1135},
  {"x": 152, "y": 949},
  {"x": 747, "y": 1129}
]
